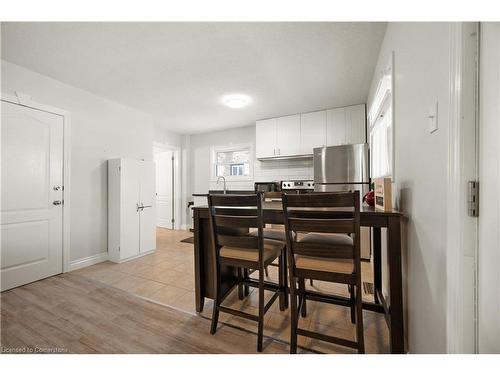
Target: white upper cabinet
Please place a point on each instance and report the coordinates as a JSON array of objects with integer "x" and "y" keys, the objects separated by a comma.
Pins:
[
  {"x": 288, "y": 135},
  {"x": 335, "y": 127},
  {"x": 312, "y": 131},
  {"x": 356, "y": 119},
  {"x": 298, "y": 135},
  {"x": 265, "y": 138},
  {"x": 346, "y": 125}
]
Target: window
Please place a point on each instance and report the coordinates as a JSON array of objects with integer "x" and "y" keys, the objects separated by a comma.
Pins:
[
  {"x": 380, "y": 120},
  {"x": 232, "y": 161}
]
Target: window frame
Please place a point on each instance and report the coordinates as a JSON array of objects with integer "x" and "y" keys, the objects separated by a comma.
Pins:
[
  {"x": 383, "y": 102},
  {"x": 236, "y": 147}
]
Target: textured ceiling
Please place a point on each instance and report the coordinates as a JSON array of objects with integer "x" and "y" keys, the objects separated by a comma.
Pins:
[{"x": 180, "y": 71}]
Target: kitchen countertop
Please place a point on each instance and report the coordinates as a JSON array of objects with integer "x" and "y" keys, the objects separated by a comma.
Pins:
[{"x": 222, "y": 191}]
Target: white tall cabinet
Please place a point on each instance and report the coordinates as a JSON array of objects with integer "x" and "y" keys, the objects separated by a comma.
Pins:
[{"x": 131, "y": 208}]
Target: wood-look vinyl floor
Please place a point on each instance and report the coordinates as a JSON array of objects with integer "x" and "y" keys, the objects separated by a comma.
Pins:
[
  {"x": 105, "y": 309},
  {"x": 71, "y": 313}
]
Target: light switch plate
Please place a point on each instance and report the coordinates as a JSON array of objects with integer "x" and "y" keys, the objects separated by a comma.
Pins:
[{"x": 433, "y": 118}]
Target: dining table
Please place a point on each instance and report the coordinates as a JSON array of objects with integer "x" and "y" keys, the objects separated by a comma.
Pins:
[{"x": 386, "y": 261}]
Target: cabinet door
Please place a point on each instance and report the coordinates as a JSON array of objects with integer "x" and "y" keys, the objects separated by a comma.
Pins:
[
  {"x": 147, "y": 228},
  {"x": 288, "y": 135},
  {"x": 355, "y": 124},
  {"x": 130, "y": 194},
  {"x": 265, "y": 138},
  {"x": 335, "y": 127},
  {"x": 312, "y": 131}
]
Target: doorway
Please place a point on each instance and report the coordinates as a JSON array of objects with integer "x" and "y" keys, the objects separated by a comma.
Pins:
[
  {"x": 35, "y": 190},
  {"x": 167, "y": 191}
]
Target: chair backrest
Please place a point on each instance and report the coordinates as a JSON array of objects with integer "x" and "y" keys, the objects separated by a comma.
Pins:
[
  {"x": 231, "y": 216},
  {"x": 322, "y": 213}
]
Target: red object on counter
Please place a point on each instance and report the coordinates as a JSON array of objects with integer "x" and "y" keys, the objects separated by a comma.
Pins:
[{"x": 369, "y": 198}]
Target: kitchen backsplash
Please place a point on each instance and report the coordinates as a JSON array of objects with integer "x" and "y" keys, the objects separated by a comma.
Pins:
[{"x": 273, "y": 170}]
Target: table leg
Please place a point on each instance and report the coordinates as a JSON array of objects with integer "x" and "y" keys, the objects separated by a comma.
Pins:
[
  {"x": 285, "y": 276},
  {"x": 396, "y": 286},
  {"x": 377, "y": 262},
  {"x": 199, "y": 298}
]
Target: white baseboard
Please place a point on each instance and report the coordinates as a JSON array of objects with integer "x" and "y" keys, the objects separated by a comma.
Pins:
[{"x": 88, "y": 261}]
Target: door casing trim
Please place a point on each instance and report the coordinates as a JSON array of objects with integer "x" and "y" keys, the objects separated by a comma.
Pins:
[
  {"x": 66, "y": 115},
  {"x": 177, "y": 194},
  {"x": 456, "y": 185}
]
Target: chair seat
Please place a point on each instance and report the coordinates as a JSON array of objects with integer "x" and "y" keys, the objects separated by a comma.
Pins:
[
  {"x": 327, "y": 239},
  {"x": 272, "y": 234},
  {"x": 324, "y": 264},
  {"x": 272, "y": 250}
]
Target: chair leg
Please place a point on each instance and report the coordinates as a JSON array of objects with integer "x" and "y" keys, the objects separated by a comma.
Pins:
[
  {"x": 285, "y": 276},
  {"x": 240, "y": 284},
  {"x": 353, "y": 304},
  {"x": 260, "y": 330},
  {"x": 293, "y": 316},
  {"x": 311, "y": 282},
  {"x": 246, "y": 288},
  {"x": 359, "y": 319},
  {"x": 302, "y": 293},
  {"x": 266, "y": 271},
  {"x": 281, "y": 284},
  {"x": 215, "y": 310}
]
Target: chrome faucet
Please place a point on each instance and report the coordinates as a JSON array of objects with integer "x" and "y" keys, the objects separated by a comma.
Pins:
[{"x": 224, "y": 180}]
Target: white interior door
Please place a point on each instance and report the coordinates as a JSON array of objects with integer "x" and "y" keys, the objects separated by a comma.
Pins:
[
  {"x": 32, "y": 178},
  {"x": 148, "y": 202},
  {"x": 164, "y": 188}
]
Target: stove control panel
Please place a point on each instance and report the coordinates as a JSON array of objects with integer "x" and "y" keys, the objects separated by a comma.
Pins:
[{"x": 297, "y": 185}]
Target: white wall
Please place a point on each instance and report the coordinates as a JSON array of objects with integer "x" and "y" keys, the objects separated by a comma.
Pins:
[
  {"x": 489, "y": 178},
  {"x": 270, "y": 170},
  {"x": 421, "y": 79},
  {"x": 100, "y": 130}
]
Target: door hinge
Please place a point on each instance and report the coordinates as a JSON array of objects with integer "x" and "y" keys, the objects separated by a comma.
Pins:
[
  {"x": 119, "y": 249},
  {"x": 119, "y": 169},
  {"x": 473, "y": 199}
]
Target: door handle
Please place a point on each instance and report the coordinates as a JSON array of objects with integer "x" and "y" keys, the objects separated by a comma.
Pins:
[
  {"x": 57, "y": 203},
  {"x": 142, "y": 207}
]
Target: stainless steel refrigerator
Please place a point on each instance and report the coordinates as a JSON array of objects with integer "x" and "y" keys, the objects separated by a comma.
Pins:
[{"x": 343, "y": 168}]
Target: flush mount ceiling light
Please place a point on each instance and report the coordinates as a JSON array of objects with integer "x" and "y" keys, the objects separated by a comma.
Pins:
[{"x": 236, "y": 100}]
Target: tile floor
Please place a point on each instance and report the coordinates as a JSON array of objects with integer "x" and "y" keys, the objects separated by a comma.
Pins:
[{"x": 167, "y": 277}]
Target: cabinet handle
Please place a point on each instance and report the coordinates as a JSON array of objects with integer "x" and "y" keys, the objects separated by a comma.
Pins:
[
  {"x": 279, "y": 153},
  {"x": 274, "y": 151}
]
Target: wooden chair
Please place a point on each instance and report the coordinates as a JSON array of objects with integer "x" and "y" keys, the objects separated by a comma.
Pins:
[
  {"x": 276, "y": 235},
  {"x": 330, "y": 252},
  {"x": 243, "y": 252}
]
